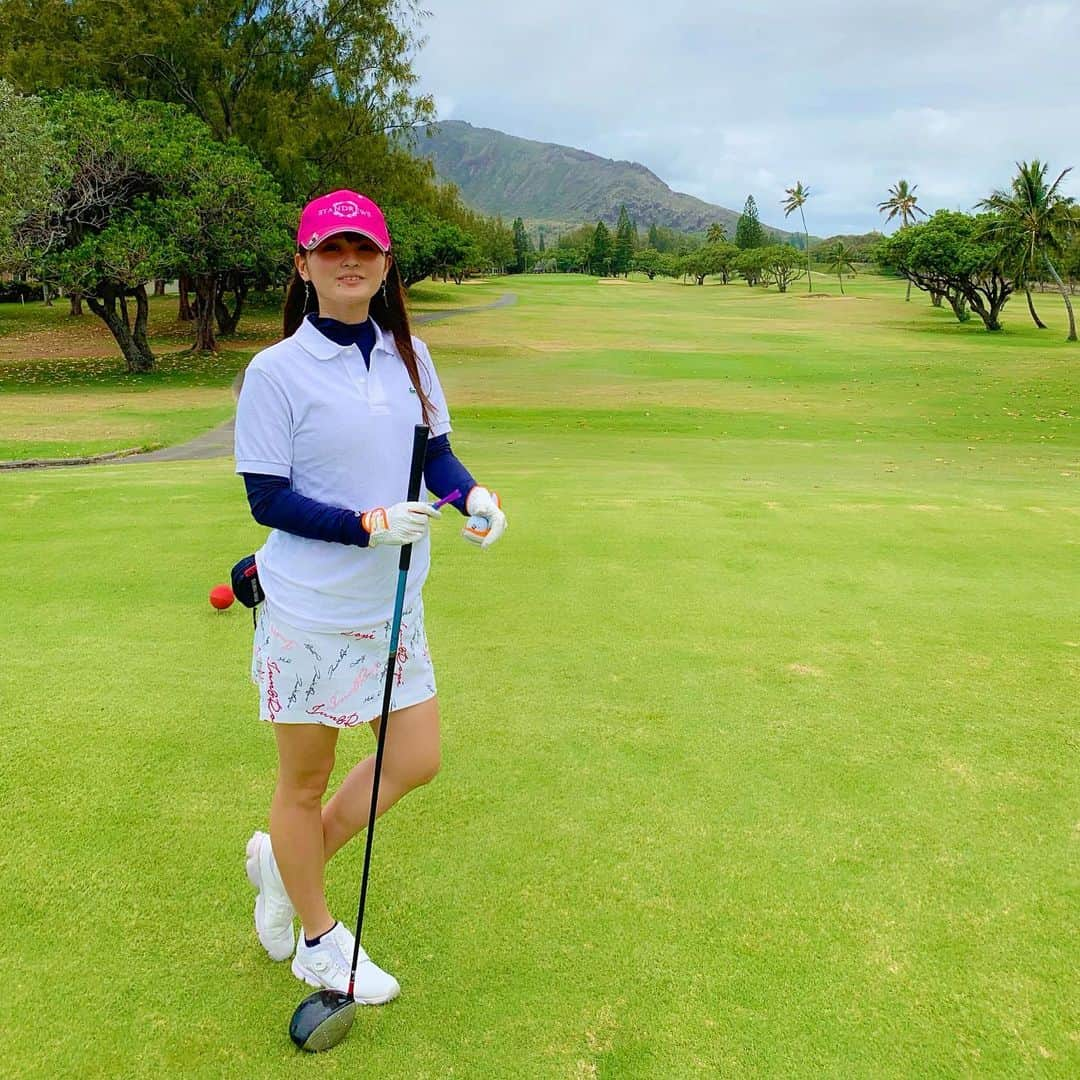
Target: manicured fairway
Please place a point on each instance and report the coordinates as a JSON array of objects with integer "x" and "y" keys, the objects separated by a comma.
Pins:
[
  {"x": 64, "y": 390},
  {"x": 760, "y": 726}
]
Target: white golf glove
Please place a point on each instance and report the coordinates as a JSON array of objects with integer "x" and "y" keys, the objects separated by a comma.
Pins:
[
  {"x": 404, "y": 523},
  {"x": 486, "y": 521}
]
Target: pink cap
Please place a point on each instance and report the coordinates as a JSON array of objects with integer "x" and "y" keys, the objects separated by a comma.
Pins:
[{"x": 338, "y": 212}]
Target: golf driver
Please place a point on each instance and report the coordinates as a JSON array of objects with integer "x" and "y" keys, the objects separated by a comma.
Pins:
[{"x": 323, "y": 1019}]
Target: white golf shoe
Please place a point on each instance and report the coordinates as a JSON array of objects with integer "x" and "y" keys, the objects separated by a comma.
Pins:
[
  {"x": 327, "y": 965},
  {"x": 274, "y": 912}
]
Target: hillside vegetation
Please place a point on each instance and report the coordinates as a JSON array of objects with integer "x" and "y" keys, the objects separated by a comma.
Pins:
[{"x": 498, "y": 173}]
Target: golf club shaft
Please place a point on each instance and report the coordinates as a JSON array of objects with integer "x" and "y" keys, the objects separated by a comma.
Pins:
[{"x": 416, "y": 473}]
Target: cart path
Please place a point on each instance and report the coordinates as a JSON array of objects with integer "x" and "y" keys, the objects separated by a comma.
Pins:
[{"x": 218, "y": 442}]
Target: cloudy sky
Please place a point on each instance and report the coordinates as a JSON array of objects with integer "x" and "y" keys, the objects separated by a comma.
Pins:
[{"x": 845, "y": 96}]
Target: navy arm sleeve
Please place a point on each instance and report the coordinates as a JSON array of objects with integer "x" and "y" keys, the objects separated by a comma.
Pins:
[
  {"x": 274, "y": 504},
  {"x": 443, "y": 472}
]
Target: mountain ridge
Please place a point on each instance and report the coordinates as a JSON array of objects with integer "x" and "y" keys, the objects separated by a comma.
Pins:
[{"x": 498, "y": 173}]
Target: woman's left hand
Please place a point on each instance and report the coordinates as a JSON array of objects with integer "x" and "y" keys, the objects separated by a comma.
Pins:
[{"x": 486, "y": 521}]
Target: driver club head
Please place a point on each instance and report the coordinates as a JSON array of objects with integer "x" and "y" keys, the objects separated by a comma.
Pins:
[{"x": 322, "y": 1020}]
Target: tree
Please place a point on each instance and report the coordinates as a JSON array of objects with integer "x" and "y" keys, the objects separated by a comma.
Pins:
[
  {"x": 572, "y": 259},
  {"x": 796, "y": 200},
  {"x": 670, "y": 241},
  {"x": 716, "y": 233},
  {"x": 670, "y": 265},
  {"x": 708, "y": 261},
  {"x": 322, "y": 92},
  {"x": 1033, "y": 221},
  {"x": 143, "y": 192},
  {"x": 522, "y": 247},
  {"x": 840, "y": 260},
  {"x": 696, "y": 265},
  {"x": 724, "y": 257},
  {"x": 413, "y": 232},
  {"x": 748, "y": 232},
  {"x": 956, "y": 254},
  {"x": 623, "y": 250},
  {"x": 1023, "y": 282},
  {"x": 600, "y": 249},
  {"x": 315, "y": 89},
  {"x": 781, "y": 265},
  {"x": 751, "y": 265},
  {"x": 930, "y": 268},
  {"x": 1070, "y": 263},
  {"x": 647, "y": 262},
  {"x": 92, "y": 237},
  {"x": 573, "y": 249},
  {"x": 903, "y": 203},
  {"x": 223, "y": 224},
  {"x": 496, "y": 244},
  {"x": 455, "y": 253},
  {"x": 28, "y": 159}
]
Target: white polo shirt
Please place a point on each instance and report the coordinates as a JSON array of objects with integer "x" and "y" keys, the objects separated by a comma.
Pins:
[{"x": 310, "y": 411}]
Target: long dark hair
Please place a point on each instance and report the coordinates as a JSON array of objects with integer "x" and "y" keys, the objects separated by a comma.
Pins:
[{"x": 387, "y": 308}]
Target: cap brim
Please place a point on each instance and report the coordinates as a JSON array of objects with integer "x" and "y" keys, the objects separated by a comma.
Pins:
[{"x": 347, "y": 229}]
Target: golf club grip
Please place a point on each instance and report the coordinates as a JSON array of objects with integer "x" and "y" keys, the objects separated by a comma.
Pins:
[{"x": 416, "y": 475}]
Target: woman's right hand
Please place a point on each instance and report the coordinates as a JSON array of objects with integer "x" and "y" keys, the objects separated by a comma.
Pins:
[{"x": 404, "y": 523}]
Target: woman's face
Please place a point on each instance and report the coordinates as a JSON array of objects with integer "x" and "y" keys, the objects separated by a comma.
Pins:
[{"x": 346, "y": 271}]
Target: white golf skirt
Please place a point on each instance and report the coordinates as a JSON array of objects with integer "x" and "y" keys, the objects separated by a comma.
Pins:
[{"x": 306, "y": 677}]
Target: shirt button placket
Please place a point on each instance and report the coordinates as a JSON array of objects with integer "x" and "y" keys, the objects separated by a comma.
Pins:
[{"x": 354, "y": 367}]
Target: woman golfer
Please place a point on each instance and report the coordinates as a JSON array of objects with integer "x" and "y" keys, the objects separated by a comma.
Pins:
[{"x": 324, "y": 430}]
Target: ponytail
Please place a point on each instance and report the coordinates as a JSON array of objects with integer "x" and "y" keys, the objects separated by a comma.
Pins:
[{"x": 388, "y": 310}]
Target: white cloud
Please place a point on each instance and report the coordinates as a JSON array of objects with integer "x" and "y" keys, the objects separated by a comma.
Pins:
[
  {"x": 445, "y": 106},
  {"x": 1035, "y": 20},
  {"x": 925, "y": 123},
  {"x": 721, "y": 103}
]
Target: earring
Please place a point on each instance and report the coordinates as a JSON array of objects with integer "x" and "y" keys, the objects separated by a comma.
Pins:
[
  {"x": 384, "y": 299},
  {"x": 307, "y": 294}
]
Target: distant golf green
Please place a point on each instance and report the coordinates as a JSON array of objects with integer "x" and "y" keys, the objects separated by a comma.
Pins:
[{"x": 760, "y": 752}]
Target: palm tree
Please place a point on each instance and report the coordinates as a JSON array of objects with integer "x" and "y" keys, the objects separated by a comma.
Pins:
[
  {"x": 717, "y": 233},
  {"x": 902, "y": 202},
  {"x": 840, "y": 258},
  {"x": 1026, "y": 285},
  {"x": 1034, "y": 222},
  {"x": 796, "y": 197}
]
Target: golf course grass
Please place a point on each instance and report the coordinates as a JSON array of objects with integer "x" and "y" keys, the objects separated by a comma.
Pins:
[
  {"x": 65, "y": 392},
  {"x": 759, "y": 726}
]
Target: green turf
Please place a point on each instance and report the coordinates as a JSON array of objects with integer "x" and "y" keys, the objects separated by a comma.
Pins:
[
  {"x": 65, "y": 391},
  {"x": 760, "y": 740}
]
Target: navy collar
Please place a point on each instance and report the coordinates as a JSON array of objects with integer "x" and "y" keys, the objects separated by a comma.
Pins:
[
  {"x": 360, "y": 334},
  {"x": 316, "y": 343}
]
